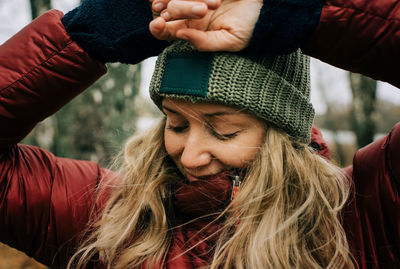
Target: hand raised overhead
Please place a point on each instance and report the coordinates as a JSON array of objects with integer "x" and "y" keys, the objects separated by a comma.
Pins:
[{"x": 210, "y": 25}]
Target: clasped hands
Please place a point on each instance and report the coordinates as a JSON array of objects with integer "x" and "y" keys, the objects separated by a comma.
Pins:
[{"x": 210, "y": 25}]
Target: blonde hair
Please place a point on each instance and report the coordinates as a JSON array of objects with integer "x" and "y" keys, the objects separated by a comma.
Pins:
[{"x": 286, "y": 214}]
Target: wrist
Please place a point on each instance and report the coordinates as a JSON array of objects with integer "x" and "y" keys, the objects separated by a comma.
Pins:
[
  {"x": 284, "y": 25},
  {"x": 113, "y": 30}
]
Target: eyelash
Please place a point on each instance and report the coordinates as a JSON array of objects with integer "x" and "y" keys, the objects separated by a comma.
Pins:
[
  {"x": 176, "y": 129},
  {"x": 223, "y": 137}
]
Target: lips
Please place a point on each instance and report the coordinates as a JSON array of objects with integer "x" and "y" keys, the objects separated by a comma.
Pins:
[{"x": 192, "y": 177}]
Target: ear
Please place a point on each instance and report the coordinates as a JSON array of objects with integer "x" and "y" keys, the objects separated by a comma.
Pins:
[{"x": 319, "y": 143}]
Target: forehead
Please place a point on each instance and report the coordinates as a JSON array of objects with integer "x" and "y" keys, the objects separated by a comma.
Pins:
[{"x": 201, "y": 108}]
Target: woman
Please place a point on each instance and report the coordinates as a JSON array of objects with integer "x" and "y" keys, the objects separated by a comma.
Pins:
[
  {"x": 221, "y": 128},
  {"x": 282, "y": 216}
]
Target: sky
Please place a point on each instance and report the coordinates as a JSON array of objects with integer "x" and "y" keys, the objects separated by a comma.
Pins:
[{"x": 15, "y": 14}]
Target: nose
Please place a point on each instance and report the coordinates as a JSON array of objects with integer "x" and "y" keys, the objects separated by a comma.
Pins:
[{"x": 196, "y": 152}]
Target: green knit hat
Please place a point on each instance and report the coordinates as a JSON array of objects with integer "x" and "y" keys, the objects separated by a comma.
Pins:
[{"x": 275, "y": 88}]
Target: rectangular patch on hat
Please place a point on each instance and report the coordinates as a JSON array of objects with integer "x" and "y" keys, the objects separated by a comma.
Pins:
[{"x": 187, "y": 74}]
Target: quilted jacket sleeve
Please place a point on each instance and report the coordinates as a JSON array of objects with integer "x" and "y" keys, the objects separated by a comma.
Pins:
[
  {"x": 44, "y": 200},
  {"x": 41, "y": 69},
  {"x": 361, "y": 36},
  {"x": 372, "y": 216}
]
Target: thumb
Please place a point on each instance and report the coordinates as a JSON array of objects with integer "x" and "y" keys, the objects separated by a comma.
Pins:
[{"x": 157, "y": 28}]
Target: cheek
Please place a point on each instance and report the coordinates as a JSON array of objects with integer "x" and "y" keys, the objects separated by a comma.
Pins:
[
  {"x": 238, "y": 155},
  {"x": 242, "y": 151},
  {"x": 172, "y": 145}
]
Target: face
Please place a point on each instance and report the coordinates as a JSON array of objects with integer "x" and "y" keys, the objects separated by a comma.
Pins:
[{"x": 205, "y": 139}]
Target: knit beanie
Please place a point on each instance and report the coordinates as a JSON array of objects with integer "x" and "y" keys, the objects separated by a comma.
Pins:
[{"x": 275, "y": 88}]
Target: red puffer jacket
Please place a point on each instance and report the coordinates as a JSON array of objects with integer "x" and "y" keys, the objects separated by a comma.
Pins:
[
  {"x": 44, "y": 200},
  {"x": 362, "y": 36}
]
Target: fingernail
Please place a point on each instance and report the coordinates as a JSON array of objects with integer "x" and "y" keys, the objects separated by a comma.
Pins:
[
  {"x": 156, "y": 23},
  {"x": 166, "y": 15},
  {"x": 198, "y": 9},
  {"x": 158, "y": 7},
  {"x": 211, "y": 2}
]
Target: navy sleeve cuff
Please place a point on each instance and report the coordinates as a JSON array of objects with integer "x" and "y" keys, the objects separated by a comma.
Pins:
[
  {"x": 284, "y": 25},
  {"x": 114, "y": 30}
]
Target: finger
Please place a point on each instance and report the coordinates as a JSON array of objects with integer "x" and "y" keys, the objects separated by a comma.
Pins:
[
  {"x": 158, "y": 29},
  {"x": 165, "y": 30},
  {"x": 213, "y": 4},
  {"x": 159, "y": 5},
  {"x": 178, "y": 9},
  {"x": 220, "y": 40}
]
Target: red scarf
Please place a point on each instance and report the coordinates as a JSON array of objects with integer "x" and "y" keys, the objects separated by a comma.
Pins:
[{"x": 206, "y": 199}]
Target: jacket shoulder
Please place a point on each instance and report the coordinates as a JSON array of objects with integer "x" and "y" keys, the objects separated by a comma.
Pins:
[
  {"x": 47, "y": 202},
  {"x": 372, "y": 216},
  {"x": 377, "y": 164},
  {"x": 41, "y": 69}
]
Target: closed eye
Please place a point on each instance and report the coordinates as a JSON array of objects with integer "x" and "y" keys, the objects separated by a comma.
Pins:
[
  {"x": 177, "y": 129},
  {"x": 220, "y": 136}
]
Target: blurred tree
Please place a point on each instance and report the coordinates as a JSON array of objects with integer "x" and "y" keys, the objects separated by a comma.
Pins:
[
  {"x": 329, "y": 121},
  {"x": 94, "y": 125},
  {"x": 363, "y": 107},
  {"x": 38, "y": 7},
  {"x": 387, "y": 115},
  {"x": 331, "y": 124}
]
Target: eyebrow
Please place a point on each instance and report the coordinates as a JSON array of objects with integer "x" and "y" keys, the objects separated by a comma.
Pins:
[
  {"x": 219, "y": 113},
  {"x": 207, "y": 115},
  {"x": 169, "y": 109}
]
